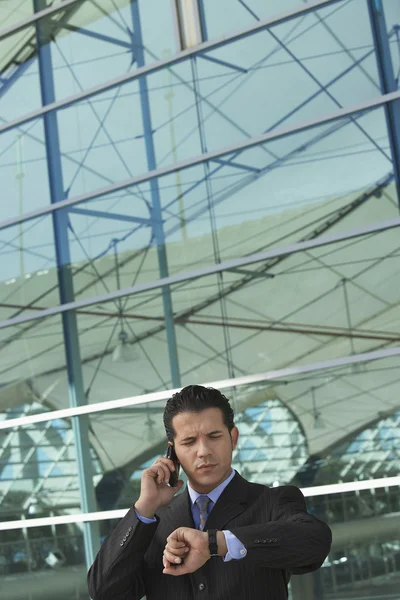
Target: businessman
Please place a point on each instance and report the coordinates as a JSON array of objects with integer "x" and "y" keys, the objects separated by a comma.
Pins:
[{"x": 223, "y": 537}]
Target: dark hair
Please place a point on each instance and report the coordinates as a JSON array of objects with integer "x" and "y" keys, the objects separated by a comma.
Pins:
[{"x": 195, "y": 398}]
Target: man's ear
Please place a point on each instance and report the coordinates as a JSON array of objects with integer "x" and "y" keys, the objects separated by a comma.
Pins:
[{"x": 234, "y": 437}]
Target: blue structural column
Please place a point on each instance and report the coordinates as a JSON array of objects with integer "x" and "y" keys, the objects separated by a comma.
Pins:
[
  {"x": 158, "y": 228},
  {"x": 387, "y": 80},
  {"x": 65, "y": 280}
]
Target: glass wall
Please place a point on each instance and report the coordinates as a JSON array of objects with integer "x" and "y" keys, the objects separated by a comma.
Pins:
[{"x": 227, "y": 215}]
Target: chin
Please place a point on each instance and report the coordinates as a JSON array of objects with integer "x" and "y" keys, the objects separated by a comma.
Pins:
[{"x": 208, "y": 479}]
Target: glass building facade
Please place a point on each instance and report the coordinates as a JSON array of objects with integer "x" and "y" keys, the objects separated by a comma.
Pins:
[{"x": 198, "y": 191}]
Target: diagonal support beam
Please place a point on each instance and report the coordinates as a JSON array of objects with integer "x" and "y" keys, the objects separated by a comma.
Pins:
[
  {"x": 109, "y": 215},
  {"x": 223, "y": 63},
  {"x": 98, "y": 36}
]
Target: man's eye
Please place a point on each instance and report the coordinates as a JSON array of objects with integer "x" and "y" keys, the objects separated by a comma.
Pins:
[{"x": 215, "y": 437}]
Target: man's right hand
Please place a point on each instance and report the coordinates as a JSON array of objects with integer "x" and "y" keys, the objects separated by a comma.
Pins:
[{"x": 154, "y": 490}]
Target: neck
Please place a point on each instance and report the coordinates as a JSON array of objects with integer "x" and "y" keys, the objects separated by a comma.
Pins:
[{"x": 207, "y": 489}]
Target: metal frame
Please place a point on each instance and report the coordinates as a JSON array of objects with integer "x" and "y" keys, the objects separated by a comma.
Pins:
[
  {"x": 390, "y": 100},
  {"x": 222, "y": 384},
  {"x": 211, "y": 270},
  {"x": 46, "y": 12},
  {"x": 65, "y": 280},
  {"x": 310, "y": 492},
  {"x": 206, "y": 157},
  {"x": 158, "y": 65},
  {"x": 158, "y": 227}
]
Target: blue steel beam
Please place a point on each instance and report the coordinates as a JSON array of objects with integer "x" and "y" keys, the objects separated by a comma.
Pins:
[
  {"x": 156, "y": 211},
  {"x": 70, "y": 328},
  {"x": 387, "y": 80},
  {"x": 223, "y": 63},
  {"x": 9, "y": 81},
  {"x": 99, "y": 36},
  {"x": 236, "y": 165},
  {"x": 109, "y": 215}
]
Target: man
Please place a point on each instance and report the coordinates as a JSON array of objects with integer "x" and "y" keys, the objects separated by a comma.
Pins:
[{"x": 222, "y": 538}]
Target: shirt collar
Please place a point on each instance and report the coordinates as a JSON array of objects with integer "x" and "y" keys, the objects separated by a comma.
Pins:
[{"x": 215, "y": 493}]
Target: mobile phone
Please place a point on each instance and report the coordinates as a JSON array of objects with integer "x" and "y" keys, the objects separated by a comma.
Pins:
[{"x": 174, "y": 476}]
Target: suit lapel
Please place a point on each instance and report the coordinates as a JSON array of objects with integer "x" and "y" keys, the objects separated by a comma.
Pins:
[
  {"x": 231, "y": 503},
  {"x": 179, "y": 513}
]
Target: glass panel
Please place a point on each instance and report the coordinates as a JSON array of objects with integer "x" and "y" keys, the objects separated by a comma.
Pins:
[
  {"x": 23, "y": 170},
  {"x": 29, "y": 275},
  {"x": 289, "y": 188},
  {"x": 39, "y": 476},
  {"x": 305, "y": 429},
  {"x": 314, "y": 428},
  {"x": 124, "y": 353},
  {"x": 105, "y": 140},
  {"x": 32, "y": 368},
  {"x": 43, "y": 564},
  {"x": 392, "y": 25},
  {"x": 226, "y": 16},
  {"x": 366, "y": 545},
  {"x": 90, "y": 43},
  {"x": 319, "y": 64},
  {"x": 293, "y": 309},
  {"x": 221, "y": 18},
  {"x": 11, "y": 12}
]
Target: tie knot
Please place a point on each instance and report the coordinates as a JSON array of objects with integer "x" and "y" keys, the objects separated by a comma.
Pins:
[{"x": 203, "y": 502}]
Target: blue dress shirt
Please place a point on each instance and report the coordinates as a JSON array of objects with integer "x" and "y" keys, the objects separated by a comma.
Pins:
[{"x": 236, "y": 550}]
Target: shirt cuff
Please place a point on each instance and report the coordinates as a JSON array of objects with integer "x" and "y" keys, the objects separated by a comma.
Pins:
[
  {"x": 145, "y": 519},
  {"x": 236, "y": 550}
]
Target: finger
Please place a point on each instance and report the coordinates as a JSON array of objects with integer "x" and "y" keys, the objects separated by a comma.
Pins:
[
  {"x": 175, "y": 544},
  {"x": 162, "y": 472},
  {"x": 177, "y": 537},
  {"x": 166, "y": 563},
  {"x": 167, "y": 462},
  {"x": 178, "y": 549},
  {"x": 176, "y": 571},
  {"x": 172, "y": 558}
]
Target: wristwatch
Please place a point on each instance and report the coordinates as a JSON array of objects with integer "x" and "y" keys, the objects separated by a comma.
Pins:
[{"x": 212, "y": 542}]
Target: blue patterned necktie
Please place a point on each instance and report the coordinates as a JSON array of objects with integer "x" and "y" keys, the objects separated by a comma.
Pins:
[{"x": 203, "y": 503}]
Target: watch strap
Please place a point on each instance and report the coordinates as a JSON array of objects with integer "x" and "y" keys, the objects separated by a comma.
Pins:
[{"x": 212, "y": 542}]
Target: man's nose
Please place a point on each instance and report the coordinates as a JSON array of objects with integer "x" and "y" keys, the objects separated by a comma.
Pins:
[{"x": 203, "y": 449}]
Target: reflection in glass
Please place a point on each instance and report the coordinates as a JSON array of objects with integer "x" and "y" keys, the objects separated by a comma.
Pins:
[
  {"x": 38, "y": 468},
  {"x": 90, "y": 44}
]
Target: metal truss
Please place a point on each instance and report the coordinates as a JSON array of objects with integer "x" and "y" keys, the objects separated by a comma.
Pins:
[
  {"x": 375, "y": 451},
  {"x": 212, "y": 162},
  {"x": 260, "y": 457},
  {"x": 204, "y": 158}
]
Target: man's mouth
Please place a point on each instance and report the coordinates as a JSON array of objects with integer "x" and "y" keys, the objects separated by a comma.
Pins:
[{"x": 206, "y": 467}]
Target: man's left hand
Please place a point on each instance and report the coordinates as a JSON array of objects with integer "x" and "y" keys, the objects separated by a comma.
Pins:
[{"x": 186, "y": 551}]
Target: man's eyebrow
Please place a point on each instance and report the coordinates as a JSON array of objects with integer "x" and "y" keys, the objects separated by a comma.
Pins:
[
  {"x": 188, "y": 437},
  {"x": 193, "y": 437}
]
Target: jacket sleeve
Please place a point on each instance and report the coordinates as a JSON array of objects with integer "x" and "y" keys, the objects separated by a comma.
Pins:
[
  {"x": 118, "y": 570},
  {"x": 292, "y": 540}
]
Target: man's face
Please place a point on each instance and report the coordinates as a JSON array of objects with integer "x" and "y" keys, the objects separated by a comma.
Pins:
[{"x": 204, "y": 447}]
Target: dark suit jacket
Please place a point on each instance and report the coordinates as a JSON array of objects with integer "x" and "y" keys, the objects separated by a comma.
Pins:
[{"x": 280, "y": 536}]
